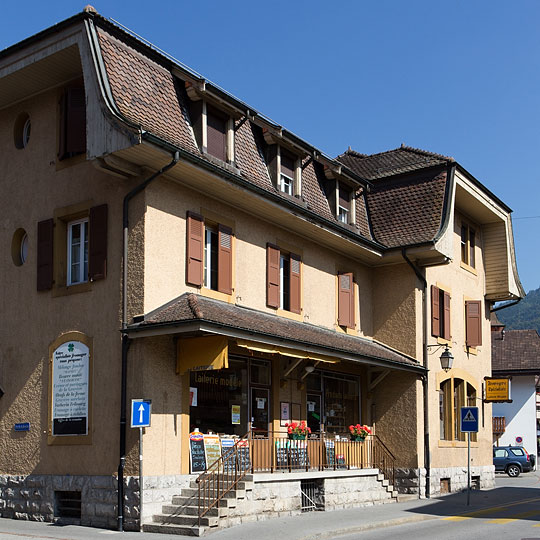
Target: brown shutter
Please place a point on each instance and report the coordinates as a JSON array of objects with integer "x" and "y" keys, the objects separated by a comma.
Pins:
[
  {"x": 195, "y": 113},
  {"x": 346, "y": 300},
  {"x": 195, "y": 249},
  {"x": 446, "y": 320},
  {"x": 435, "y": 312},
  {"x": 272, "y": 163},
  {"x": 75, "y": 121},
  {"x": 216, "y": 134},
  {"x": 45, "y": 236},
  {"x": 224, "y": 259},
  {"x": 97, "y": 243},
  {"x": 473, "y": 318},
  {"x": 344, "y": 197},
  {"x": 295, "y": 284},
  {"x": 287, "y": 164},
  {"x": 272, "y": 276}
]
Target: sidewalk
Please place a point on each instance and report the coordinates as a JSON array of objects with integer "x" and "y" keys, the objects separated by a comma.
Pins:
[{"x": 311, "y": 525}]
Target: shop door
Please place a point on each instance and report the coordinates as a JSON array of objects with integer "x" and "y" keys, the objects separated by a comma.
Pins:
[
  {"x": 313, "y": 413},
  {"x": 260, "y": 410}
]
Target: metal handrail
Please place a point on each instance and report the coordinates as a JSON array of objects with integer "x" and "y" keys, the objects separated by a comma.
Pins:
[{"x": 223, "y": 476}]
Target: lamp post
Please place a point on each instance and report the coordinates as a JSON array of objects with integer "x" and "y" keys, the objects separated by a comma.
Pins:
[{"x": 447, "y": 359}]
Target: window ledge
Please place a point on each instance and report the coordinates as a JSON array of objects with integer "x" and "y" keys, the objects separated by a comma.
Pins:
[
  {"x": 442, "y": 341},
  {"x": 290, "y": 315},
  {"x": 220, "y": 163},
  {"x": 346, "y": 330},
  {"x": 456, "y": 444},
  {"x": 66, "y": 290},
  {"x": 468, "y": 268},
  {"x": 471, "y": 350},
  {"x": 70, "y": 161},
  {"x": 217, "y": 295}
]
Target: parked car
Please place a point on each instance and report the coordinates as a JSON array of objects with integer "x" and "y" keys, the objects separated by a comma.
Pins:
[{"x": 513, "y": 460}]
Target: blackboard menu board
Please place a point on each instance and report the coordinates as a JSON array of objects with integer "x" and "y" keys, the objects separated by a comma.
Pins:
[
  {"x": 243, "y": 456},
  {"x": 293, "y": 453},
  {"x": 229, "y": 456},
  {"x": 212, "y": 448},
  {"x": 196, "y": 452},
  {"x": 330, "y": 454},
  {"x": 282, "y": 454},
  {"x": 299, "y": 457}
]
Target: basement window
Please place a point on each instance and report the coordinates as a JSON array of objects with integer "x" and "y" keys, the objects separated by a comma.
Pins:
[{"x": 67, "y": 504}]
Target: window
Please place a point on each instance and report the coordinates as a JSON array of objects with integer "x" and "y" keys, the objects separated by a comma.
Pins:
[
  {"x": 467, "y": 245},
  {"x": 77, "y": 250},
  {"x": 286, "y": 175},
  {"x": 22, "y": 130},
  {"x": 82, "y": 234},
  {"x": 283, "y": 284},
  {"x": 440, "y": 313},
  {"x": 209, "y": 254},
  {"x": 346, "y": 302},
  {"x": 344, "y": 204},
  {"x": 216, "y": 133},
  {"x": 454, "y": 393},
  {"x": 72, "y": 133},
  {"x": 473, "y": 323}
]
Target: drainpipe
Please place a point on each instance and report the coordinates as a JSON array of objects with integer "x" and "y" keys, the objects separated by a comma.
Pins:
[
  {"x": 427, "y": 453},
  {"x": 125, "y": 339}
]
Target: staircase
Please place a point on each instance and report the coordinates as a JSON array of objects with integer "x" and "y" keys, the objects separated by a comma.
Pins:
[
  {"x": 388, "y": 486},
  {"x": 182, "y": 515}
]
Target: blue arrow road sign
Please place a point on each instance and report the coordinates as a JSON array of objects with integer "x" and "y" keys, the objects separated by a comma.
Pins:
[
  {"x": 140, "y": 412},
  {"x": 469, "y": 419}
]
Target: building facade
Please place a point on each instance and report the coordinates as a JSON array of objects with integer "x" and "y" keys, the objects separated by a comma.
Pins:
[{"x": 169, "y": 242}]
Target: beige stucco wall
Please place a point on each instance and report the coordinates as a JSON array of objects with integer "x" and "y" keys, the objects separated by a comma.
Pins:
[
  {"x": 31, "y": 320},
  {"x": 462, "y": 284}
]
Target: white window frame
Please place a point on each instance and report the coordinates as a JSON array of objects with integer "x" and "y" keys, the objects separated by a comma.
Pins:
[
  {"x": 343, "y": 214},
  {"x": 286, "y": 184},
  {"x": 83, "y": 252},
  {"x": 208, "y": 232}
]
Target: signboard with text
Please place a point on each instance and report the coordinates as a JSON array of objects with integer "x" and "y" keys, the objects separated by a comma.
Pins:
[
  {"x": 497, "y": 390},
  {"x": 70, "y": 378}
]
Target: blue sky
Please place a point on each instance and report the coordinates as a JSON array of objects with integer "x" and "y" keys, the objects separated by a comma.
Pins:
[{"x": 460, "y": 78}]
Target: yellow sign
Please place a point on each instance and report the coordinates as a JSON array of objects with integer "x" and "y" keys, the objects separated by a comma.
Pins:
[{"x": 497, "y": 389}]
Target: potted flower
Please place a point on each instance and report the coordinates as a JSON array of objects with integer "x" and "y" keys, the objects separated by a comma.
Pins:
[
  {"x": 297, "y": 432},
  {"x": 358, "y": 432}
]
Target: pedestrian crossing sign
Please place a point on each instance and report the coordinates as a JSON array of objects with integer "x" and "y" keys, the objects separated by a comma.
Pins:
[{"x": 469, "y": 419}]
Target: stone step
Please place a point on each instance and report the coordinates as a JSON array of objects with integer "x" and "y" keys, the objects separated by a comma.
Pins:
[
  {"x": 243, "y": 484},
  {"x": 179, "y": 500},
  {"x": 171, "y": 509},
  {"x": 168, "y": 519},
  {"x": 404, "y": 497},
  {"x": 173, "y": 529}
]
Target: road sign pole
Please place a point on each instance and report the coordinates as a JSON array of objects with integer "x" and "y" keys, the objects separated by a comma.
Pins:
[
  {"x": 468, "y": 469},
  {"x": 140, "y": 479}
]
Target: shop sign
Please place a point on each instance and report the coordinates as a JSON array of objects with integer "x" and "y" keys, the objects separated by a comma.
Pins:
[
  {"x": 497, "y": 390},
  {"x": 70, "y": 370},
  {"x": 212, "y": 449},
  {"x": 196, "y": 452},
  {"x": 235, "y": 414},
  {"x": 22, "y": 426}
]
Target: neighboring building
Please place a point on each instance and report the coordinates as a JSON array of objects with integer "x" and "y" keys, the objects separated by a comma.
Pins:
[
  {"x": 516, "y": 354},
  {"x": 264, "y": 282}
]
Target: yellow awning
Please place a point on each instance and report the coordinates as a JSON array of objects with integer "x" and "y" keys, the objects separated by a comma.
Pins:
[
  {"x": 201, "y": 354},
  {"x": 284, "y": 351}
]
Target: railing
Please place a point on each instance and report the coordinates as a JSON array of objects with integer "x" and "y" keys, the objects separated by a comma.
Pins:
[
  {"x": 223, "y": 475},
  {"x": 499, "y": 424},
  {"x": 268, "y": 451}
]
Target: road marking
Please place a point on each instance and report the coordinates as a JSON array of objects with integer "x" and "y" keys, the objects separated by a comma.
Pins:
[
  {"x": 515, "y": 517},
  {"x": 484, "y": 511}
]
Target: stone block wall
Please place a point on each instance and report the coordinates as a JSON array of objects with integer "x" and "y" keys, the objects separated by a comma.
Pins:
[
  {"x": 159, "y": 490},
  {"x": 32, "y": 498},
  {"x": 353, "y": 491}
]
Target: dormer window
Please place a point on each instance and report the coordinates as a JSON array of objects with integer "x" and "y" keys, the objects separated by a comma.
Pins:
[
  {"x": 72, "y": 129},
  {"x": 344, "y": 204},
  {"x": 286, "y": 175}
]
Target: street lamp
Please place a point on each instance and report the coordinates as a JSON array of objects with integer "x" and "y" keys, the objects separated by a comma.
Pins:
[{"x": 447, "y": 359}]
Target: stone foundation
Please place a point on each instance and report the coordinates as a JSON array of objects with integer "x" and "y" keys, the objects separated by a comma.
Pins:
[
  {"x": 32, "y": 498},
  {"x": 413, "y": 481},
  {"x": 159, "y": 490}
]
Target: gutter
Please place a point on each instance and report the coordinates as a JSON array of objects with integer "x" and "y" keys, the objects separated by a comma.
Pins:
[
  {"x": 425, "y": 385},
  {"x": 507, "y": 305}
]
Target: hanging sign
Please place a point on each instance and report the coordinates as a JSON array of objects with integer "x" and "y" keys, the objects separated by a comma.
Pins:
[
  {"x": 197, "y": 456},
  {"x": 497, "y": 390},
  {"x": 70, "y": 369}
]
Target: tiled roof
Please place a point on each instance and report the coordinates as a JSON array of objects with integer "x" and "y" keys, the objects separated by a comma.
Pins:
[
  {"x": 401, "y": 160},
  {"x": 191, "y": 307},
  {"x": 408, "y": 210},
  {"x": 515, "y": 350}
]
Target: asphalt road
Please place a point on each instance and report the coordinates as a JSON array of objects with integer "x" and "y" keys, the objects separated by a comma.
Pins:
[{"x": 514, "y": 516}]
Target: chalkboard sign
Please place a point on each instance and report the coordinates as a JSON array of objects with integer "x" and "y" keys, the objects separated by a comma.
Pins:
[
  {"x": 196, "y": 452},
  {"x": 244, "y": 461},
  {"x": 282, "y": 454},
  {"x": 330, "y": 453},
  {"x": 298, "y": 454},
  {"x": 212, "y": 449},
  {"x": 229, "y": 462}
]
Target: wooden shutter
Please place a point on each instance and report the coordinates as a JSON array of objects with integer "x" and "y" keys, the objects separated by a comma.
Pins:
[
  {"x": 295, "y": 296},
  {"x": 97, "y": 243},
  {"x": 272, "y": 276},
  {"x": 473, "y": 319},
  {"x": 195, "y": 249},
  {"x": 287, "y": 164},
  {"x": 45, "y": 254},
  {"x": 216, "y": 134},
  {"x": 224, "y": 259},
  {"x": 435, "y": 312},
  {"x": 195, "y": 113},
  {"x": 346, "y": 300},
  {"x": 75, "y": 121},
  {"x": 446, "y": 320},
  {"x": 344, "y": 197}
]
